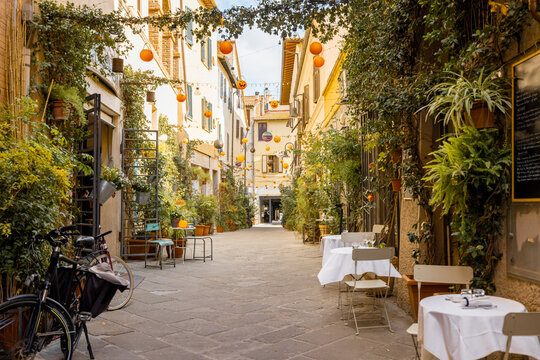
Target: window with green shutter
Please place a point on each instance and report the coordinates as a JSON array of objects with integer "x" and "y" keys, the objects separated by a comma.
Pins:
[
  {"x": 189, "y": 30},
  {"x": 189, "y": 102},
  {"x": 211, "y": 118},
  {"x": 209, "y": 48},
  {"x": 203, "y": 51}
]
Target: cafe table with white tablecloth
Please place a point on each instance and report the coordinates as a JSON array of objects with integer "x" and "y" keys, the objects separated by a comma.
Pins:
[
  {"x": 449, "y": 331},
  {"x": 328, "y": 243},
  {"x": 340, "y": 264}
]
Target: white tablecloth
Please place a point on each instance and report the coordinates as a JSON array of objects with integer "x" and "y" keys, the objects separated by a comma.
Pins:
[
  {"x": 328, "y": 243},
  {"x": 450, "y": 332},
  {"x": 340, "y": 263}
]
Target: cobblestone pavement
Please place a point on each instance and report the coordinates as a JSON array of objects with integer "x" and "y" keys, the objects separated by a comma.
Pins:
[{"x": 258, "y": 299}]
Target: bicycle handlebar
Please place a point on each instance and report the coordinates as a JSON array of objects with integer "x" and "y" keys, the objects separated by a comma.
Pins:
[
  {"x": 55, "y": 234},
  {"x": 103, "y": 235}
]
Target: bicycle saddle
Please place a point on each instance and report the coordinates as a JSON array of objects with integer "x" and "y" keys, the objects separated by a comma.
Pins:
[{"x": 85, "y": 241}]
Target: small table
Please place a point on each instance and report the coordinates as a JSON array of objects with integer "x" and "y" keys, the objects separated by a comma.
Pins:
[
  {"x": 448, "y": 331},
  {"x": 185, "y": 230},
  {"x": 329, "y": 242},
  {"x": 203, "y": 239},
  {"x": 340, "y": 263}
]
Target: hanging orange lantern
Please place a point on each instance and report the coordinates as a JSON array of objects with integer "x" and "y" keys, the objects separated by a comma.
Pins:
[
  {"x": 240, "y": 158},
  {"x": 315, "y": 48},
  {"x": 284, "y": 176},
  {"x": 225, "y": 47},
  {"x": 185, "y": 140},
  {"x": 290, "y": 146},
  {"x": 285, "y": 166},
  {"x": 146, "y": 55},
  {"x": 249, "y": 166},
  {"x": 274, "y": 104},
  {"x": 181, "y": 97},
  {"x": 243, "y": 174},
  {"x": 264, "y": 176},
  {"x": 222, "y": 153},
  {"x": 207, "y": 113},
  {"x": 219, "y": 165},
  {"x": 245, "y": 168},
  {"x": 256, "y": 187},
  {"x": 244, "y": 140},
  {"x": 275, "y": 186},
  {"x": 267, "y": 148},
  {"x": 318, "y": 61},
  {"x": 281, "y": 161},
  {"x": 241, "y": 84},
  {"x": 277, "y": 138}
]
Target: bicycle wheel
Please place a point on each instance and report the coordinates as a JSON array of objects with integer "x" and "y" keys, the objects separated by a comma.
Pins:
[
  {"x": 52, "y": 332},
  {"x": 121, "y": 269}
]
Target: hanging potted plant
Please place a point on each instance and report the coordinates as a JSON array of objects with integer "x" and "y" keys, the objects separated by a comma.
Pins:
[
  {"x": 112, "y": 179},
  {"x": 465, "y": 102},
  {"x": 142, "y": 190},
  {"x": 176, "y": 216},
  {"x": 65, "y": 99}
]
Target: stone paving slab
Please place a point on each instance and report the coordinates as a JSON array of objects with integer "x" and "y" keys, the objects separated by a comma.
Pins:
[{"x": 259, "y": 299}]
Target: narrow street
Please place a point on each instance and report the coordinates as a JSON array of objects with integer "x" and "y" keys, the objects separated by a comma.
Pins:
[{"x": 258, "y": 299}]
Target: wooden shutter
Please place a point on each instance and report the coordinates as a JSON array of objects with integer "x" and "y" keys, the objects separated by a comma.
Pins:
[
  {"x": 211, "y": 118},
  {"x": 264, "y": 164},
  {"x": 203, "y": 108},
  {"x": 280, "y": 166},
  {"x": 209, "y": 48},
  {"x": 190, "y": 102},
  {"x": 203, "y": 51},
  {"x": 189, "y": 30}
]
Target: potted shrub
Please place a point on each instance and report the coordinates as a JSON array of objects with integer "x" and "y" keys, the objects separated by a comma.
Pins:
[
  {"x": 467, "y": 102},
  {"x": 176, "y": 215},
  {"x": 220, "y": 223},
  {"x": 142, "y": 190},
  {"x": 206, "y": 208},
  {"x": 112, "y": 179},
  {"x": 396, "y": 185},
  {"x": 63, "y": 100}
]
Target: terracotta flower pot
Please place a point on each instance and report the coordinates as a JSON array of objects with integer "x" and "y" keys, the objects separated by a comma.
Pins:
[
  {"x": 324, "y": 229},
  {"x": 206, "y": 230},
  {"x": 60, "y": 110},
  {"x": 220, "y": 229},
  {"x": 199, "y": 230},
  {"x": 481, "y": 116},
  {"x": 396, "y": 185}
]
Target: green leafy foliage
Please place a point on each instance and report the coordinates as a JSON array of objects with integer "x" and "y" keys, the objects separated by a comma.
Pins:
[
  {"x": 470, "y": 178},
  {"x": 35, "y": 188}
]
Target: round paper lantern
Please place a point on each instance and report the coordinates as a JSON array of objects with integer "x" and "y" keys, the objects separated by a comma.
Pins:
[
  {"x": 240, "y": 158},
  {"x": 281, "y": 161},
  {"x": 225, "y": 47},
  {"x": 275, "y": 182},
  {"x": 267, "y": 136},
  {"x": 264, "y": 176},
  {"x": 243, "y": 174},
  {"x": 146, "y": 55},
  {"x": 219, "y": 165},
  {"x": 274, "y": 104},
  {"x": 267, "y": 148},
  {"x": 277, "y": 138},
  {"x": 252, "y": 150},
  {"x": 256, "y": 187},
  {"x": 245, "y": 168},
  {"x": 244, "y": 140},
  {"x": 284, "y": 176},
  {"x": 222, "y": 153},
  {"x": 218, "y": 144},
  {"x": 285, "y": 166},
  {"x": 241, "y": 84},
  {"x": 266, "y": 194},
  {"x": 249, "y": 166},
  {"x": 315, "y": 48},
  {"x": 183, "y": 224},
  {"x": 238, "y": 164},
  {"x": 181, "y": 97},
  {"x": 207, "y": 113},
  {"x": 370, "y": 197},
  {"x": 185, "y": 140},
  {"x": 318, "y": 61},
  {"x": 290, "y": 146},
  {"x": 275, "y": 186}
]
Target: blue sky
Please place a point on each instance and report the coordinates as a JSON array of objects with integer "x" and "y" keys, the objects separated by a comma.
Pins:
[{"x": 259, "y": 54}]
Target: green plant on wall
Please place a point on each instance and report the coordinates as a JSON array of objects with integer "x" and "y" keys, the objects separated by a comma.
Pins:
[
  {"x": 35, "y": 190},
  {"x": 470, "y": 180}
]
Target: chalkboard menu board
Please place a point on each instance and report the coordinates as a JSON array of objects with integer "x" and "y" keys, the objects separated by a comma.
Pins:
[{"x": 526, "y": 129}]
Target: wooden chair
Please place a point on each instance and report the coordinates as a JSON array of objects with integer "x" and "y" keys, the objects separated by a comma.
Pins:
[
  {"x": 377, "y": 286},
  {"x": 158, "y": 241},
  {"x": 442, "y": 274},
  {"x": 520, "y": 324}
]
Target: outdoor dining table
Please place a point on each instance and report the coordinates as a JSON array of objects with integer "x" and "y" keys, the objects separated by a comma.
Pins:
[
  {"x": 330, "y": 242},
  {"x": 340, "y": 263},
  {"x": 449, "y": 331}
]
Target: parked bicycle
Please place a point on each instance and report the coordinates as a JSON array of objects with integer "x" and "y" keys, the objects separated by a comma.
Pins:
[
  {"x": 52, "y": 320},
  {"x": 94, "y": 250}
]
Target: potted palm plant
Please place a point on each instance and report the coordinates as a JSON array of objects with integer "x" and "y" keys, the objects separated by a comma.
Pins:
[{"x": 465, "y": 102}]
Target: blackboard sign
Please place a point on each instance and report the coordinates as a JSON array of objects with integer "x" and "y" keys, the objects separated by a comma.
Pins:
[{"x": 526, "y": 129}]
